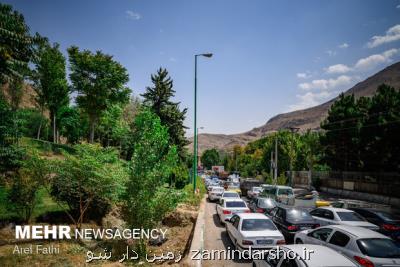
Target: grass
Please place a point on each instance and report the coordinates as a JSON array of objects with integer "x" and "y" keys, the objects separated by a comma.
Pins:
[{"x": 44, "y": 205}]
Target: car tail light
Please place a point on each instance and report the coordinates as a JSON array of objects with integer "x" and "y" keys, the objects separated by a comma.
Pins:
[
  {"x": 390, "y": 227},
  {"x": 226, "y": 211},
  {"x": 292, "y": 227},
  {"x": 281, "y": 242},
  {"x": 247, "y": 242},
  {"x": 316, "y": 225},
  {"x": 260, "y": 210},
  {"x": 364, "y": 262},
  {"x": 247, "y": 211}
]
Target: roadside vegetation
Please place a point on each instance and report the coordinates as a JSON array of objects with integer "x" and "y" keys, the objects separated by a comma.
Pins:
[
  {"x": 65, "y": 161},
  {"x": 357, "y": 135}
]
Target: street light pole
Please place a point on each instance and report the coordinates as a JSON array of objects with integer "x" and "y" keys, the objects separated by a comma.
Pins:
[
  {"x": 195, "y": 120},
  {"x": 198, "y": 157}
]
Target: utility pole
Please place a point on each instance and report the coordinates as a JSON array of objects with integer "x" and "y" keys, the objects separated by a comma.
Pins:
[
  {"x": 272, "y": 165},
  {"x": 276, "y": 160}
]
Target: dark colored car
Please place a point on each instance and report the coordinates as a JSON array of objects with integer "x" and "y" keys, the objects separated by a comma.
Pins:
[
  {"x": 389, "y": 224},
  {"x": 262, "y": 205},
  {"x": 290, "y": 220}
]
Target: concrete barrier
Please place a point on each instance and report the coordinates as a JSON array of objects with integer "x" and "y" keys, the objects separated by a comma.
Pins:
[{"x": 197, "y": 243}]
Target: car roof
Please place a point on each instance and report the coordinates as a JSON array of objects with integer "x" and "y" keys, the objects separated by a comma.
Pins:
[
  {"x": 283, "y": 187},
  {"x": 335, "y": 209},
  {"x": 217, "y": 187},
  {"x": 320, "y": 255},
  {"x": 230, "y": 191},
  {"x": 252, "y": 216},
  {"x": 358, "y": 232}
]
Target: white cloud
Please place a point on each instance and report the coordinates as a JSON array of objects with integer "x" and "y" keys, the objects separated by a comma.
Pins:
[
  {"x": 133, "y": 15},
  {"x": 398, "y": 6},
  {"x": 310, "y": 99},
  {"x": 303, "y": 75},
  {"x": 326, "y": 84},
  {"x": 338, "y": 69},
  {"x": 172, "y": 59},
  {"x": 330, "y": 52},
  {"x": 393, "y": 34},
  {"x": 344, "y": 45},
  {"x": 373, "y": 60}
]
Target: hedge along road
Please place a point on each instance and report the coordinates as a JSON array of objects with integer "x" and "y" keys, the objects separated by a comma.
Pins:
[{"x": 216, "y": 238}]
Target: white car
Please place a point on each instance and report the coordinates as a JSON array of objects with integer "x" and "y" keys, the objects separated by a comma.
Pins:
[
  {"x": 318, "y": 256},
  {"x": 229, "y": 206},
  {"x": 215, "y": 193},
  {"x": 254, "y": 192},
  {"x": 253, "y": 230},
  {"x": 229, "y": 195},
  {"x": 367, "y": 247},
  {"x": 332, "y": 216}
]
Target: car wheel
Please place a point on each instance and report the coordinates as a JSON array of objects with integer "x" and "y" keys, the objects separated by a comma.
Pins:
[{"x": 298, "y": 241}]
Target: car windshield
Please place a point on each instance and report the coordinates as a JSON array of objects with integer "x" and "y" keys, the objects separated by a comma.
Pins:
[
  {"x": 235, "y": 204},
  {"x": 388, "y": 217},
  {"x": 285, "y": 191},
  {"x": 234, "y": 185},
  {"x": 298, "y": 215},
  {"x": 266, "y": 203},
  {"x": 257, "y": 189},
  {"x": 230, "y": 194},
  {"x": 349, "y": 216},
  {"x": 257, "y": 225},
  {"x": 217, "y": 189},
  {"x": 379, "y": 248}
]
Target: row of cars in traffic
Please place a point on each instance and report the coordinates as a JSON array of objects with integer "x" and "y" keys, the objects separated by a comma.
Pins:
[{"x": 338, "y": 237}]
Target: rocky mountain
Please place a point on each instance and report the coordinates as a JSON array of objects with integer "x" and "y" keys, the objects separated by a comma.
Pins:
[{"x": 309, "y": 118}]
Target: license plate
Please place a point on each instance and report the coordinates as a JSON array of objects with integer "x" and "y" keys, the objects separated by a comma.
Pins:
[
  {"x": 305, "y": 228},
  {"x": 237, "y": 211},
  {"x": 264, "y": 242}
]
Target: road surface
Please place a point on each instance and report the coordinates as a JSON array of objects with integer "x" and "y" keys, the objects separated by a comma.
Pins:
[{"x": 215, "y": 238}]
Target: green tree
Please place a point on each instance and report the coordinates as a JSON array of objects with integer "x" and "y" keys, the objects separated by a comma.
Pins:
[
  {"x": 89, "y": 181},
  {"x": 112, "y": 126},
  {"x": 17, "y": 46},
  {"x": 153, "y": 161},
  {"x": 342, "y": 130},
  {"x": 209, "y": 158},
  {"x": 34, "y": 173},
  {"x": 158, "y": 98},
  {"x": 10, "y": 154},
  {"x": 380, "y": 149},
  {"x": 99, "y": 82},
  {"x": 50, "y": 83},
  {"x": 72, "y": 123}
]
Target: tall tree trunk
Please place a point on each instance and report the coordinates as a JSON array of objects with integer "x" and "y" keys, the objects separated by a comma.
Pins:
[
  {"x": 54, "y": 128},
  {"x": 40, "y": 125},
  {"x": 92, "y": 125}
]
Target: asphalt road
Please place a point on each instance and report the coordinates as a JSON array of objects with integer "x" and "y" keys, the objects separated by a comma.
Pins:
[{"x": 216, "y": 238}]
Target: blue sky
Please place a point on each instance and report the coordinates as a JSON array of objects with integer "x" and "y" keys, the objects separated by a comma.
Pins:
[{"x": 269, "y": 56}]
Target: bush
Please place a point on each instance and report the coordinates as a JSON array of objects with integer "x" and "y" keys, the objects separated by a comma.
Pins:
[{"x": 192, "y": 198}]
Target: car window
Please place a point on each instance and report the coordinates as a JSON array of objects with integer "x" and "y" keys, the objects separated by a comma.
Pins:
[
  {"x": 379, "y": 248},
  {"x": 388, "y": 216},
  {"x": 339, "y": 239},
  {"x": 280, "y": 213},
  {"x": 273, "y": 211},
  {"x": 288, "y": 263},
  {"x": 273, "y": 258},
  {"x": 298, "y": 215},
  {"x": 257, "y": 225},
  {"x": 235, "y": 204},
  {"x": 266, "y": 203},
  {"x": 236, "y": 222},
  {"x": 230, "y": 194},
  {"x": 321, "y": 234},
  {"x": 350, "y": 216},
  {"x": 285, "y": 191},
  {"x": 328, "y": 215},
  {"x": 316, "y": 212}
]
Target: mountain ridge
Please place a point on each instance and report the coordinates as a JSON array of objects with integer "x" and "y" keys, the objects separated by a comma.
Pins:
[{"x": 309, "y": 118}]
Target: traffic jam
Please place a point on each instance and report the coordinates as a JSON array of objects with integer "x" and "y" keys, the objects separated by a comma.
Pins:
[{"x": 267, "y": 217}]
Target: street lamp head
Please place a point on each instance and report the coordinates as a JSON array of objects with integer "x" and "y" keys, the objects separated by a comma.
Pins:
[{"x": 207, "y": 55}]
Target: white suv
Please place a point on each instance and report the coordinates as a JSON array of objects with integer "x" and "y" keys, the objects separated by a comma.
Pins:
[{"x": 215, "y": 193}]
